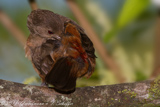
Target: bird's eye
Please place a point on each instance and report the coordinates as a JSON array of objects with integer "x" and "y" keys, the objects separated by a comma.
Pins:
[{"x": 50, "y": 32}]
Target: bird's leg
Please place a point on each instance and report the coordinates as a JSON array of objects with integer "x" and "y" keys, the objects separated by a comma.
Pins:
[{"x": 44, "y": 84}]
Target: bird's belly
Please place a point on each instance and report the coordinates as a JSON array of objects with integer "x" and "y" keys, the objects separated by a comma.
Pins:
[{"x": 42, "y": 60}]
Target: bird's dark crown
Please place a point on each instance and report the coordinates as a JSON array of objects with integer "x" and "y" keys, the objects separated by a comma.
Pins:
[{"x": 44, "y": 21}]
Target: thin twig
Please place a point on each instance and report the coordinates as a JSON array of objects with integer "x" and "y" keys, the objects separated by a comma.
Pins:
[
  {"x": 97, "y": 43},
  {"x": 11, "y": 27},
  {"x": 33, "y": 4},
  {"x": 156, "y": 69}
]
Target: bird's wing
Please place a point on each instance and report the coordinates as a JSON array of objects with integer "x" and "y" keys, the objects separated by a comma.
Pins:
[
  {"x": 86, "y": 42},
  {"x": 88, "y": 46}
]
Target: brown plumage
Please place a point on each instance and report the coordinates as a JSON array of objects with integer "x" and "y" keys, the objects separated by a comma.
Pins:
[{"x": 59, "y": 49}]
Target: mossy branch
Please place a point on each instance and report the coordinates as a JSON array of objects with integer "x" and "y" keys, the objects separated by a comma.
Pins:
[{"x": 138, "y": 94}]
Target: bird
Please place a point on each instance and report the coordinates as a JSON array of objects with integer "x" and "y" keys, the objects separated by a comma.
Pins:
[{"x": 59, "y": 49}]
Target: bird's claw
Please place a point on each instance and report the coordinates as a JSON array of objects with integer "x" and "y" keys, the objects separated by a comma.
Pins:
[{"x": 43, "y": 84}]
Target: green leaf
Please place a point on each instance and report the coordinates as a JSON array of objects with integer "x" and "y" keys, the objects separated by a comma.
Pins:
[
  {"x": 130, "y": 11},
  {"x": 110, "y": 34}
]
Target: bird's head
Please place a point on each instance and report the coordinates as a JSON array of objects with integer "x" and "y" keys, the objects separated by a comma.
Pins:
[{"x": 45, "y": 24}]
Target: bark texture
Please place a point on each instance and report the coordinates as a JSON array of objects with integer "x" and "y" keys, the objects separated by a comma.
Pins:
[{"x": 138, "y": 94}]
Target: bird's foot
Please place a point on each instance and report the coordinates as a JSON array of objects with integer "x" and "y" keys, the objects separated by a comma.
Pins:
[{"x": 44, "y": 84}]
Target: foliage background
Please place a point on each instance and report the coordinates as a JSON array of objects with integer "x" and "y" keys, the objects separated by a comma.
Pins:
[{"x": 126, "y": 28}]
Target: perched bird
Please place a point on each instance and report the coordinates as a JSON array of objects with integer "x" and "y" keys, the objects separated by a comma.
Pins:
[{"x": 59, "y": 50}]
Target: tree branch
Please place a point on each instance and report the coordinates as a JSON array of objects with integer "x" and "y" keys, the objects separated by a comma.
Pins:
[
  {"x": 156, "y": 70},
  {"x": 138, "y": 94},
  {"x": 12, "y": 28},
  {"x": 33, "y": 4}
]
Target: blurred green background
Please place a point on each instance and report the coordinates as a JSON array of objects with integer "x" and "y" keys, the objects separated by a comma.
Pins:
[{"x": 126, "y": 28}]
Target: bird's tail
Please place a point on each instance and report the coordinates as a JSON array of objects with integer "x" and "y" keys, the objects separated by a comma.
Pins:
[{"x": 60, "y": 76}]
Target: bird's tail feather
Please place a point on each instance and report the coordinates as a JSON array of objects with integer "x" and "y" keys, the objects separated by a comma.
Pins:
[{"x": 60, "y": 76}]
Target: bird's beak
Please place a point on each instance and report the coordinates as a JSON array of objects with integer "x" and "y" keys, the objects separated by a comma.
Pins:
[{"x": 56, "y": 37}]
